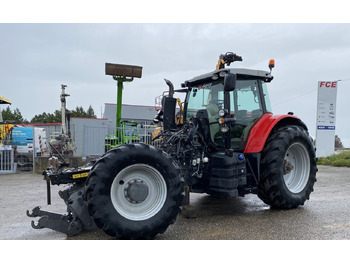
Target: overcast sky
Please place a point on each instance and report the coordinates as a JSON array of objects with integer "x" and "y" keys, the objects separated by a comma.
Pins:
[{"x": 37, "y": 58}]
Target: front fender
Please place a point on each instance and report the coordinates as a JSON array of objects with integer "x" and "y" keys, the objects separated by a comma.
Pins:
[{"x": 262, "y": 129}]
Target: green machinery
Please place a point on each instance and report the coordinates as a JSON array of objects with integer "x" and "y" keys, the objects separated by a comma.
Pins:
[
  {"x": 124, "y": 130},
  {"x": 127, "y": 133}
]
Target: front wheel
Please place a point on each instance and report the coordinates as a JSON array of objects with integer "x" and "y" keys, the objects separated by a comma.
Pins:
[
  {"x": 134, "y": 191},
  {"x": 288, "y": 168}
]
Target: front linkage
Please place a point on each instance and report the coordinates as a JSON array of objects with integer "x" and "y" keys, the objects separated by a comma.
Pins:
[{"x": 77, "y": 218}]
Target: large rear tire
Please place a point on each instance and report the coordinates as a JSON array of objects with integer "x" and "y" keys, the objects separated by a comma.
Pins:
[
  {"x": 134, "y": 192},
  {"x": 288, "y": 168}
]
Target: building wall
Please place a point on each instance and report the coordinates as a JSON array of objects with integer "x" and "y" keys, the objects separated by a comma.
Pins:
[
  {"x": 136, "y": 113},
  {"x": 89, "y": 135}
]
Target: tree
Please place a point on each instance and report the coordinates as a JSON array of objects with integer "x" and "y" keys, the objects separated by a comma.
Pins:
[
  {"x": 47, "y": 117},
  {"x": 7, "y": 114},
  {"x": 90, "y": 112},
  {"x": 14, "y": 116},
  {"x": 337, "y": 142},
  {"x": 79, "y": 112},
  {"x": 42, "y": 118},
  {"x": 56, "y": 116},
  {"x": 18, "y": 116}
]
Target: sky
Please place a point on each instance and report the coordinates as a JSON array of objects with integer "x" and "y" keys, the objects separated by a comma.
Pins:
[{"x": 36, "y": 58}]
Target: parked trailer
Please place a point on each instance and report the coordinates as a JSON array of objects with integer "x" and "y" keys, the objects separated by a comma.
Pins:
[{"x": 22, "y": 138}]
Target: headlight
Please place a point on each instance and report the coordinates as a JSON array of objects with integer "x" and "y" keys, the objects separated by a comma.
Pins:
[
  {"x": 222, "y": 113},
  {"x": 222, "y": 73},
  {"x": 215, "y": 77},
  {"x": 224, "y": 129}
]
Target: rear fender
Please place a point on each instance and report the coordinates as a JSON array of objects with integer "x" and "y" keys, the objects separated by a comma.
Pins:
[{"x": 262, "y": 129}]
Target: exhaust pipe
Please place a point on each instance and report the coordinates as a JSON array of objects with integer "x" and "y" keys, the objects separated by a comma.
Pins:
[{"x": 169, "y": 108}]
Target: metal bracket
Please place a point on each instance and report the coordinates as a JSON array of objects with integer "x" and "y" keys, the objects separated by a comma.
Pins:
[
  {"x": 62, "y": 223},
  {"x": 74, "y": 222}
]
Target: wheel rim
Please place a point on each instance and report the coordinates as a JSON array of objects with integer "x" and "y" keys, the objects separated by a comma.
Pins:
[
  {"x": 138, "y": 192},
  {"x": 21, "y": 161},
  {"x": 296, "y": 167}
]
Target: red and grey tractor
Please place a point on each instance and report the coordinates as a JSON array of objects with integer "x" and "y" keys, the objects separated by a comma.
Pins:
[{"x": 228, "y": 144}]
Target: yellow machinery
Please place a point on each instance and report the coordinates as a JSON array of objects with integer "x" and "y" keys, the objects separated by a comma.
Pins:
[
  {"x": 5, "y": 128},
  {"x": 4, "y": 100},
  {"x": 178, "y": 119},
  {"x": 5, "y": 132}
]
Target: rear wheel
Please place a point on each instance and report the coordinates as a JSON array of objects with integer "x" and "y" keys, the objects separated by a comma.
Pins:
[
  {"x": 134, "y": 192},
  {"x": 288, "y": 168},
  {"x": 138, "y": 192}
]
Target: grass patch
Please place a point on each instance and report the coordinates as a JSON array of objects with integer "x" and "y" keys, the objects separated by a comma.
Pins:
[{"x": 341, "y": 159}]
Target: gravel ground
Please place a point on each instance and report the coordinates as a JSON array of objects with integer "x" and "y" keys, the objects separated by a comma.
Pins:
[{"x": 324, "y": 216}]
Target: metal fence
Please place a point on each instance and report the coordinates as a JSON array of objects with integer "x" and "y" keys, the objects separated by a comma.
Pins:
[
  {"x": 145, "y": 134},
  {"x": 7, "y": 164}
]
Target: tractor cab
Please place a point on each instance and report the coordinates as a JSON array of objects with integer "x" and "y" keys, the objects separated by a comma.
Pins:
[{"x": 233, "y": 100}]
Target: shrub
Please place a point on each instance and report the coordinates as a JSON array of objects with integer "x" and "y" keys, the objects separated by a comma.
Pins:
[{"x": 342, "y": 160}]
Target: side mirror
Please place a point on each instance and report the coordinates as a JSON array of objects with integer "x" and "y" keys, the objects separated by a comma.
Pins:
[{"x": 230, "y": 82}]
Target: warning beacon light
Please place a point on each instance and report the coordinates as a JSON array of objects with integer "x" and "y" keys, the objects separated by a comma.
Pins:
[{"x": 271, "y": 64}]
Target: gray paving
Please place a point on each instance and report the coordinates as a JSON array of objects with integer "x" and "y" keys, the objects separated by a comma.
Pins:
[{"x": 324, "y": 216}]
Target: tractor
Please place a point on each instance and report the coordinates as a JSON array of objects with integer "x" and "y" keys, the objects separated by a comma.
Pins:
[{"x": 229, "y": 144}]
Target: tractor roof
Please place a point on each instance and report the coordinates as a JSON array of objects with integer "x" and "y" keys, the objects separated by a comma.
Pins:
[{"x": 240, "y": 72}]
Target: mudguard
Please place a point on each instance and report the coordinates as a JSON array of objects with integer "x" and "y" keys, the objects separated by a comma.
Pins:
[{"x": 262, "y": 129}]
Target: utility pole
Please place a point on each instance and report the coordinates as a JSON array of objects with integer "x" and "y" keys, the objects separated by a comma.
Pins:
[{"x": 63, "y": 109}]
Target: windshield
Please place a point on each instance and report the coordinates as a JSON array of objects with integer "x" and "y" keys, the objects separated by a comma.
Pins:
[
  {"x": 244, "y": 100},
  {"x": 209, "y": 96},
  {"x": 245, "y": 104}
]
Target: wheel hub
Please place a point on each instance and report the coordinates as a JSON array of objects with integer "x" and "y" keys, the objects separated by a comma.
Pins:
[
  {"x": 296, "y": 167},
  {"x": 288, "y": 167},
  {"x": 136, "y": 191}
]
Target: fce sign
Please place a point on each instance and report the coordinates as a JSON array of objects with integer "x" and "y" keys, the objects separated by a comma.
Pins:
[
  {"x": 328, "y": 84},
  {"x": 326, "y": 114}
]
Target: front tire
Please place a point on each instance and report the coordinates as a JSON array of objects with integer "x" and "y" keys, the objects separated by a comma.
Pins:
[
  {"x": 134, "y": 191},
  {"x": 288, "y": 168}
]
